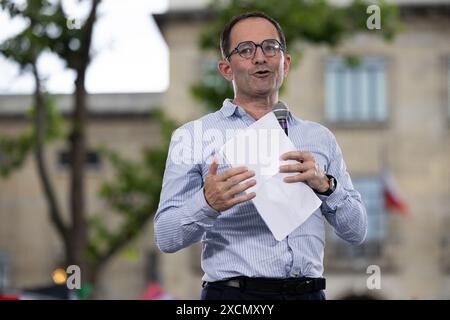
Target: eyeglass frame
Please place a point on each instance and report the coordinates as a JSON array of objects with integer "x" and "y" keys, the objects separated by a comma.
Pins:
[{"x": 235, "y": 50}]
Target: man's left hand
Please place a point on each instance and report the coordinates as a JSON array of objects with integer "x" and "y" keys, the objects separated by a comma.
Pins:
[{"x": 307, "y": 170}]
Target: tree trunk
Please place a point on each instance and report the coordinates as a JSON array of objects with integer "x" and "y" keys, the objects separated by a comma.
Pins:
[{"x": 78, "y": 234}]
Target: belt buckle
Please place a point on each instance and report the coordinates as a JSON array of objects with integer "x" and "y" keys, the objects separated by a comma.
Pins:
[{"x": 236, "y": 283}]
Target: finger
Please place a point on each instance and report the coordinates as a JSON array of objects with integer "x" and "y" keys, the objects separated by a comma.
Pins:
[
  {"x": 297, "y": 167},
  {"x": 293, "y": 167},
  {"x": 231, "y": 172},
  {"x": 305, "y": 176},
  {"x": 297, "y": 155},
  {"x": 239, "y": 178},
  {"x": 290, "y": 155},
  {"x": 243, "y": 198},
  {"x": 301, "y": 177},
  {"x": 240, "y": 188},
  {"x": 213, "y": 168}
]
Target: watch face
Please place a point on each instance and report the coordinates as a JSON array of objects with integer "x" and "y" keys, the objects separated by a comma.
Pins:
[{"x": 332, "y": 184}]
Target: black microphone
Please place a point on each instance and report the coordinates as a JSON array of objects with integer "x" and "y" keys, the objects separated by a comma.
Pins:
[{"x": 281, "y": 113}]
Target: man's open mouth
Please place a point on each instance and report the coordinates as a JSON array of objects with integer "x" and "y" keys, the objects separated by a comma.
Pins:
[{"x": 261, "y": 73}]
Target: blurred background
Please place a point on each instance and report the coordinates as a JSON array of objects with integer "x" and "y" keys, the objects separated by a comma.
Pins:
[{"x": 91, "y": 90}]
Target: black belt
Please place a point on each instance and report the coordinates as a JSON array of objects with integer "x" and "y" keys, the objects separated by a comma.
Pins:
[{"x": 289, "y": 285}]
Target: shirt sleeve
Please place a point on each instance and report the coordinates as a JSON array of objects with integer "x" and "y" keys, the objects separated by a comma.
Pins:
[
  {"x": 344, "y": 209},
  {"x": 183, "y": 214}
]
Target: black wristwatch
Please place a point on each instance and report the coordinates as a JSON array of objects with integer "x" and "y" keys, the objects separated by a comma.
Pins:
[{"x": 332, "y": 187}]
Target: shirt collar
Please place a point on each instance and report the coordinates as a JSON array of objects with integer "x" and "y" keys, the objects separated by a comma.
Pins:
[{"x": 229, "y": 108}]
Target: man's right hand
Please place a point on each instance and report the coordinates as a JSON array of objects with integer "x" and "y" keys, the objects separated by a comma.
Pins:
[{"x": 220, "y": 189}]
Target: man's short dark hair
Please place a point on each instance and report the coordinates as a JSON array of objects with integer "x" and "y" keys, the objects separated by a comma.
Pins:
[{"x": 225, "y": 36}]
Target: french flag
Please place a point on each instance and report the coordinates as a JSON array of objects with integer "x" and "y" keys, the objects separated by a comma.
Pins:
[{"x": 393, "y": 199}]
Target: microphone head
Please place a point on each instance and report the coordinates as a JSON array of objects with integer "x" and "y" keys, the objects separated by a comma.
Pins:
[{"x": 281, "y": 111}]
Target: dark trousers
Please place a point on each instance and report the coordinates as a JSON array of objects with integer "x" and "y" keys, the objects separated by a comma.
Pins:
[{"x": 219, "y": 291}]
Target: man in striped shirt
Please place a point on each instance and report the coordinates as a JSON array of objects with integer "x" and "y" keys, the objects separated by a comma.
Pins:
[{"x": 202, "y": 200}]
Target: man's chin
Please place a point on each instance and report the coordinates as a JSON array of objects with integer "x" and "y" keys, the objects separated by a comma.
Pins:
[{"x": 264, "y": 91}]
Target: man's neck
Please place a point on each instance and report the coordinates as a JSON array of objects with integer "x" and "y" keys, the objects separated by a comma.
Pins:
[{"x": 257, "y": 108}]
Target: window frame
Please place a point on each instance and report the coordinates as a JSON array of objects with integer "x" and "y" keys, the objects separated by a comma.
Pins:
[{"x": 371, "y": 122}]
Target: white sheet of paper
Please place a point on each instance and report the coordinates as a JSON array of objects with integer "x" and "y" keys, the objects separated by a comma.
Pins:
[{"x": 283, "y": 206}]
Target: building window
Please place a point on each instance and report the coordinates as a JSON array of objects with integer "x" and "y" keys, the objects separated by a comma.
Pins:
[
  {"x": 356, "y": 92},
  {"x": 92, "y": 161},
  {"x": 340, "y": 254}
]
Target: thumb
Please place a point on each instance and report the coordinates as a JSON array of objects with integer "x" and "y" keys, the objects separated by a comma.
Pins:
[{"x": 213, "y": 168}]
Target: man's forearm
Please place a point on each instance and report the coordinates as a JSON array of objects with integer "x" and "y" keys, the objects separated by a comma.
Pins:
[
  {"x": 179, "y": 227},
  {"x": 347, "y": 215}
]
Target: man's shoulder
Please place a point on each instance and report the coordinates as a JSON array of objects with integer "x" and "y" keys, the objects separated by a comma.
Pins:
[
  {"x": 207, "y": 120},
  {"x": 314, "y": 128}
]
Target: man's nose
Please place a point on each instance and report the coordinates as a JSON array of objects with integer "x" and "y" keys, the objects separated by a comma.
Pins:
[{"x": 259, "y": 56}]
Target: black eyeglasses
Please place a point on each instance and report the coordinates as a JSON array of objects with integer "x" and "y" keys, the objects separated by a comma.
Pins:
[{"x": 247, "y": 49}]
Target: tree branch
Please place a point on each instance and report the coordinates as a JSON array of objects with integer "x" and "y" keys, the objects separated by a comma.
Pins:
[
  {"x": 86, "y": 42},
  {"x": 49, "y": 192}
]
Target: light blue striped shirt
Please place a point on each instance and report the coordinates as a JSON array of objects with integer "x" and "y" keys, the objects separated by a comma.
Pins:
[{"x": 237, "y": 242}]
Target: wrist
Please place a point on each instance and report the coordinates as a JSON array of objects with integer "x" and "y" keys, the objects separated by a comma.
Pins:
[
  {"x": 325, "y": 185},
  {"x": 329, "y": 188}
]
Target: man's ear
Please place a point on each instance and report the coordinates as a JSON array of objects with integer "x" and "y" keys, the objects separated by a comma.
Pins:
[
  {"x": 286, "y": 64},
  {"x": 225, "y": 69}
]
